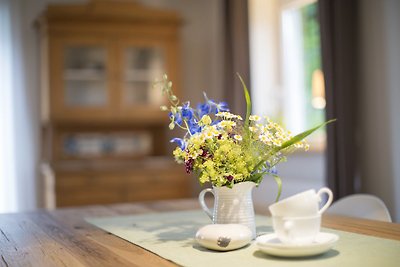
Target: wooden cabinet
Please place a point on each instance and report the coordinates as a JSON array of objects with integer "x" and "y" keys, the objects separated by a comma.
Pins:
[
  {"x": 116, "y": 182},
  {"x": 103, "y": 57},
  {"x": 108, "y": 78},
  {"x": 100, "y": 107}
]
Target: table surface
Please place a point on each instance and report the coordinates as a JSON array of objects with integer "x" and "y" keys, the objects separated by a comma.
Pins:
[{"x": 62, "y": 237}]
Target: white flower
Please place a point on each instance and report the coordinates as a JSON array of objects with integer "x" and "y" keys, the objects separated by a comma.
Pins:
[
  {"x": 209, "y": 132},
  {"x": 238, "y": 137},
  {"x": 208, "y": 135},
  {"x": 228, "y": 115},
  {"x": 277, "y": 142},
  {"x": 254, "y": 118},
  {"x": 264, "y": 138},
  {"x": 227, "y": 124}
]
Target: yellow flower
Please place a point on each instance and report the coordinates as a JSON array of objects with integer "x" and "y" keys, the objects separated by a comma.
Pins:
[
  {"x": 205, "y": 120},
  {"x": 194, "y": 153}
]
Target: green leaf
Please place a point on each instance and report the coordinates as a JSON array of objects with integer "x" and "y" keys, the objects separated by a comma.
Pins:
[
  {"x": 248, "y": 102},
  {"x": 302, "y": 135},
  {"x": 257, "y": 177},
  {"x": 279, "y": 183}
]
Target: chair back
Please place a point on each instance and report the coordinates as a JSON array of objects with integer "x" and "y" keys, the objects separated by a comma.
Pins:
[{"x": 361, "y": 206}]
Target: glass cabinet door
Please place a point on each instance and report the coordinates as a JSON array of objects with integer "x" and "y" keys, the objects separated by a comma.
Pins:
[
  {"x": 141, "y": 66},
  {"x": 85, "y": 76}
]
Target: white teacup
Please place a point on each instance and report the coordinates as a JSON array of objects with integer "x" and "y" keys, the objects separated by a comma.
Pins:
[
  {"x": 303, "y": 204},
  {"x": 297, "y": 230}
]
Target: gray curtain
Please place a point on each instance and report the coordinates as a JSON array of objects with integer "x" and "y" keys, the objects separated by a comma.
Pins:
[
  {"x": 237, "y": 56},
  {"x": 338, "y": 23}
]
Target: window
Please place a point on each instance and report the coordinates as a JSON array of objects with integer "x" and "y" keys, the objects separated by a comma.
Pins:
[
  {"x": 7, "y": 164},
  {"x": 17, "y": 129},
  {"x": 286, "y": 64}
]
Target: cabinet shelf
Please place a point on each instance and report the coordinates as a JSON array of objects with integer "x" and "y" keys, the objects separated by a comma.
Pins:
[
  {"x": 133, "y": 75},
  {"x": 84, "y": 75}
]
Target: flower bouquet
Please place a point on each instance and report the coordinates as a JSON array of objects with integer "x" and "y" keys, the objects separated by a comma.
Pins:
[{"x": 225, "y": 149}]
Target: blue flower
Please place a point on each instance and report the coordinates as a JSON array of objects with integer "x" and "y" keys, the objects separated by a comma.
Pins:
[
  {"x": 177, "y": 118},
  {"x": 194, "y": 126},
  {"x": 187, "y": 111},
  {"x": 222, "y": 106},
  {"x": 273, "y": 171},
  {"x": 180, "y": 142},
  {"x": 218, "y": 107},
  {"x": 213, "y": 106},
  {"x": 203, "y": 109}
]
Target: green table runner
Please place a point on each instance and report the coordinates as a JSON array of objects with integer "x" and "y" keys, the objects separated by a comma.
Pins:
[{"x": 171, "y": 236}]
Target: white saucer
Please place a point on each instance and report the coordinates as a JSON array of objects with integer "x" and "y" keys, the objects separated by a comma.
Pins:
[{"x": 270, "y": 244}]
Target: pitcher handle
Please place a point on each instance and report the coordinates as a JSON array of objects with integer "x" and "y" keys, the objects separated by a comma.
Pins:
[
  {"x": 328, "y": 202},
  {"x": 203, "y": 203}
]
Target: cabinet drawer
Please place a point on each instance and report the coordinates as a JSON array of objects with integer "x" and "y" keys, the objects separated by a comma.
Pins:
[{"x": 103, "y": 188}]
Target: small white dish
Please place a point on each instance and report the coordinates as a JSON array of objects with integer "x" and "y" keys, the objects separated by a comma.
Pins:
[
  {"x": 270, "y": 244},
  {"x": 224, "y": 237}
]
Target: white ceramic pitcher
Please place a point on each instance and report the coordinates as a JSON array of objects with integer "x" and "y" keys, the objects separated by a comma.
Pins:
[{"x": 231, "y": 205}]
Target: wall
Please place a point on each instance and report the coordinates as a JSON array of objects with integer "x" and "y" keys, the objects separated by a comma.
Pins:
[
  {"x": 379, "y": 99},
  {"x": 393, "y": 32},
  {"x": 202, "y": 50}
]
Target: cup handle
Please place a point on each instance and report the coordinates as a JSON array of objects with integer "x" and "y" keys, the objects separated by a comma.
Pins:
[
  {"x": 203, "y": 203},
  {"x": 328, "y": 202},
  {"x": 287, "y": 227}
]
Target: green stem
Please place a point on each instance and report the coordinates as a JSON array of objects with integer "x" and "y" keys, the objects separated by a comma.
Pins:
[
  {"x": 187, "y": 128},
  {"x": 248, "y": 102},
  {"x": 248, "y": 112}
]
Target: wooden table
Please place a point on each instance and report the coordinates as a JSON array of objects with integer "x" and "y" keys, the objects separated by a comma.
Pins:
[{"x": 62, "y": 237}]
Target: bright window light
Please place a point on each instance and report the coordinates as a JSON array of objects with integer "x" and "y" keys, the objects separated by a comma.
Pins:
[{"x": 285, "y": 51}]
